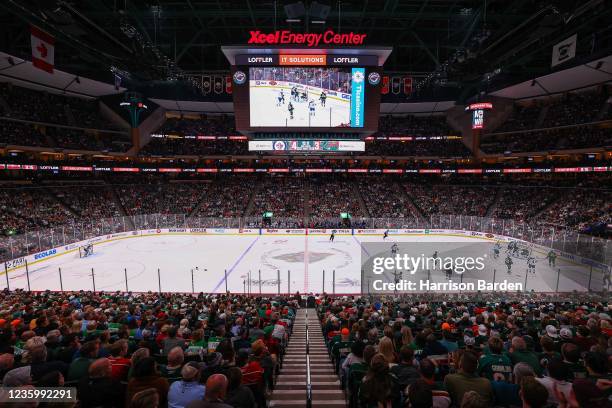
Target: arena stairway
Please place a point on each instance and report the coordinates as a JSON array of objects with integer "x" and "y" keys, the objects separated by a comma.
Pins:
[{"x": 291, "y": 386}]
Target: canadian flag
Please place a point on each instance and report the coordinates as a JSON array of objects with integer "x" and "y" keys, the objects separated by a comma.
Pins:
[{"x": 43, "y": 46}]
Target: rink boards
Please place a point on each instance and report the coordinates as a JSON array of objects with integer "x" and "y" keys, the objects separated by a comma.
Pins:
[{"x": 154, "y": 258}]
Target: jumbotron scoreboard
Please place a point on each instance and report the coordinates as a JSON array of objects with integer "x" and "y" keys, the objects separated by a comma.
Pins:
[{"x": 296, "y": 92}]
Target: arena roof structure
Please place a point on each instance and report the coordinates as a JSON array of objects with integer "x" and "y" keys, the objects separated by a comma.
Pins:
[{"x": 460, "y": 47}]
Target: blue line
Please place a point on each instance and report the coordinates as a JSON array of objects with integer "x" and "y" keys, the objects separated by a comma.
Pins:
[
  {"x": 362, "y": 247},
  {"x": 235, "y": 265}
]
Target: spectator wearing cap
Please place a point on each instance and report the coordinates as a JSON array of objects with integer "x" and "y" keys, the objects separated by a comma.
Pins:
[
  {"x": 482, "y": 336},
  {"x": 552, "y": 334},
  {"x": 146, "y": 376},
  {"x": 187, "y": 389},
  {"x": 520, "y": 354},
  {"x": 99, "y": 389},
  {"x": 216, "y": 391},
  {"x": 172, "y": 370},
  {"x": 466, "y": 380}
]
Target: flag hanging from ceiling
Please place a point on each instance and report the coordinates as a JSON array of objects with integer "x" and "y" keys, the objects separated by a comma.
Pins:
[{"x": 43, "y": 47}]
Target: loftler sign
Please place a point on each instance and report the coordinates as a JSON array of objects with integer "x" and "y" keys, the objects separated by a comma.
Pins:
[{"x": 285, "y": 37}]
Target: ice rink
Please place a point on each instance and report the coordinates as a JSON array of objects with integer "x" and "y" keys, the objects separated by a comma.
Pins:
[
  {"x": 266, "y": 111},
  {"x": 305, "y": 256}
]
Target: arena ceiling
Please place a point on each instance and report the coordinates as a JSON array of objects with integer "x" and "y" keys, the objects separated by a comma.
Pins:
[{"x": 441, "y": 42}]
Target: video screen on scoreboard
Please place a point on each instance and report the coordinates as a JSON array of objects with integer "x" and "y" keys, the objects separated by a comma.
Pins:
[{"x": 306, "y": 97}]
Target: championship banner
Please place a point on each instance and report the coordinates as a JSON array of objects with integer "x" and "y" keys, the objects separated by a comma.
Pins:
[
  {"x": 408, "y": 85},
  {"x": 218, "y": 85},
  {"x": 228, "y": 84},
  {"x": 385, "y": 85},
  {"x": 206, "y": 84}
]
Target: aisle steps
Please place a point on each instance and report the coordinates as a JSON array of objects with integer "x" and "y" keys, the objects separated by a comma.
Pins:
[{"x": 290, "y": 389}]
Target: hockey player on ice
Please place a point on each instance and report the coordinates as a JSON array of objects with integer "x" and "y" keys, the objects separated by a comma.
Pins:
[
  {"x": 322, "y": 98},
  {"x": 311, "y": 107},
  {"x": 386, "y": 234},
  {"x": 304, "y": 96},
  {"x": 281, "y": 98},
  {"x": 531, "y": 264},
  {"x": 394, "y": 249},
  {"x": 496, "y": 249},
  {"x": 294, "y": 93},
  {"x": 552, "y": 257},
  {"x": 509, "y": 263},
  {"x": 332, "y": 236},
  {"x": 290, "y": 109}
]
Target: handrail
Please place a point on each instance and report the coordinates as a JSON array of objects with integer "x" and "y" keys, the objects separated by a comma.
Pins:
[{"x": 308, "y": 382}]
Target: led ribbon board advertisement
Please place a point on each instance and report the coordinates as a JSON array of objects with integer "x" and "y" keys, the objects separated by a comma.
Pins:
[{"x": 289, "y": 146}]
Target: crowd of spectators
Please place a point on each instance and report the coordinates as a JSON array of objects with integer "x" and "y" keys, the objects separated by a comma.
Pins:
[
  {"x": 423, "y": 148},
  {"x": 29, "y": 134},
  {"x": 330, "y": 198},
  {"x": 227, "y": 199},
  {"x": 88, "y": 201},
  {"x": 145, "y": 350},
  {"x": 170, "y": 198},
  {"x": 78, "y": 210},
  {"x": 575, "y": 108},
  {"x": 411, "y": 125},
  {"x": 486, "y": 351},
  {"x": 384, "y": 198},
  {"x": 38, "y": 106},
  {"x": 523, "y": 203},
  {"x": 523, "y": 117},
  {"x": 439, "y": 199},
  {"x": 579, "y": 208},
  {"x": 283, "y": 196},
  {"x": 193, "y": 147},
  {"x": 575, "y": 137},
  {"x": 205, "y": 125}
]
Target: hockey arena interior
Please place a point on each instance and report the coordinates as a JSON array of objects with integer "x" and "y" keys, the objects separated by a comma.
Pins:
[{"x": 280, "y": 203}]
